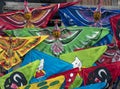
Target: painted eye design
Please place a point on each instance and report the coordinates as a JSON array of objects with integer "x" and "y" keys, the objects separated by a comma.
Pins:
[
  {"x": 100, "y": 75},
  {"x": 16, "y": 79}
]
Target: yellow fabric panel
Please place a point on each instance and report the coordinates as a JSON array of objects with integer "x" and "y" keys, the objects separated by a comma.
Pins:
[{"x": 54, "y": 83}]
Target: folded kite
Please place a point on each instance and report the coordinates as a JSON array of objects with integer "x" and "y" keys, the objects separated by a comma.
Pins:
[
  {"x": 70, "y": 76},
  {"x": 54, "y": 83},
  {"x": 103, "y": 73},
  {"x": 115, "y": 23},
  {"x": 112, "y": 54},
  {"x": 84, "y": 58},
  {"x": 69, "y": 39},
  {"x": 50, "y": 65},
  {"x": 94, "y": 86},
  {"x": 37, "y": 17},
  {"x": 12, "y": 48},
  {"x": 19, "y": 77}
]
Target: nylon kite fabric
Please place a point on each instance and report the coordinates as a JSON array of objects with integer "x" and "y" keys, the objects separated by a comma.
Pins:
[
  {"x": 69, "y": 39},
  {"x": 94, "y": 86},
  {"x": 49, "y": 65},
  {"x": 84, "y": 58},
  {"x": 115, "y": 23},
  {"x": 13, "y": 48},
  {"x": 84, "y": 16},
  {"x": 70, "y": 76},
  {"x": 36, "y": 17},
  {"x": 54, "y": 83},
  {"x": 112, "y": 54},
  {"x": 19, "y": 77},
  {"x": 103, "y": 73}
]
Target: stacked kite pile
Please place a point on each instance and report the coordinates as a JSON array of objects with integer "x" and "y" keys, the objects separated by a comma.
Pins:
[{"x": 64, "y": 57}]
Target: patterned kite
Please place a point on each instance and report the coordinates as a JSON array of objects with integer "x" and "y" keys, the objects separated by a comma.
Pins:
[
  {"x": 86, "y": 16},
  {"x": 103, "y": 73},
  {"x": 112, "y": 54},
  {"x": 115, "y": 22},
  {"x": 70, "y": 76},
  {"x": 64, "y": 39},
  {"x": 13, "y": 48},
  {"x": 37, "y": 17},
  {"x": 49, "y": 65},
  {"x": 19, "y": 77}
]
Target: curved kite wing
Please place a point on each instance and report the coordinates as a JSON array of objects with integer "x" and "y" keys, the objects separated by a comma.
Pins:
[{"x": 12, "y": 49}]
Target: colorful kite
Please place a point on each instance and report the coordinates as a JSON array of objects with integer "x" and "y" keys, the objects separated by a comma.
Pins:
[
  {"x": 84, "y": 58},
  {"x": 13, "y": 48},
  {"x": 85, "y": 16},
  {"x": 103, "y": 73},
  {"x": 49, "y": 65},
  {"x": 64, "y": 39},
  {"x": 19, "y": 77},
  {"x": 94, "y": 86},
  {"x": 112, "y": 54},
  {"x": 54, "y": 83},
  {"x": 115, "y": 22},
  {"x": 70, "y": 76},
  {"x": 37, "y": 17}
]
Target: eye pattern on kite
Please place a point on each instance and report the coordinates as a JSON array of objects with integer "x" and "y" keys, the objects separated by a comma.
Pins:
[
  {"x": 16, "y": 78},
  {"x": 101, "y": 74}
]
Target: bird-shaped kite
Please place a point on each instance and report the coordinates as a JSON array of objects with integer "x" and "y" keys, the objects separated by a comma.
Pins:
[
  {"x": 37, "y": 17},
  {"x": 63, "y": 39},
  {"x": 13, "y": 48}
]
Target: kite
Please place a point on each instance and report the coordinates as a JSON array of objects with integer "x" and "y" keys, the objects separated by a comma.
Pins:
[
  {"x": 64, "y": 39},
  {"x": 34, "y": 17},
  {"x": 85, "y": 16},
  {"x": 54, "y": 83},
  {"x": 103, "y": 73},
  {"x": 69, "y": 75},
  {"x": 19, "y": 77},
  {"x": 49, "y": 65},
  {"x": 84, "y": 58},
  {"x": 13, "y": 48},
  {"x": 112, "y": 54},
  {"x": 115, "y": 23}
]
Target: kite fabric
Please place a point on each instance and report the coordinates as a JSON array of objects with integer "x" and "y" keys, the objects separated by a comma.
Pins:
[
  {"x": 50, "y": 65},
  {"x": 71, "y": 38},
  {"x": 103, "y": 73},
  {"x": 94, "y": 86},
  {"x": 37, "y": 17},
  {"x": 84, "y": 16},
  {"x": 70, "y": 76},
  {"x": 13, "y": 48},
  {"x": 112, "y": 54},
  {"x": 54, "y": 83},
  {"x": 115, "y": 23},
  {"x": 84, "y": 58},
  {"x": 19, "y": 77}
]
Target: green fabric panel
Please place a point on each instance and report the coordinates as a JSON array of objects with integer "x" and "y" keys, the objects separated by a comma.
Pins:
[
  {"x": 77, "y": 82},
  {"x": 87, "y": 56},
  {"x": 28, "y": 71}
]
